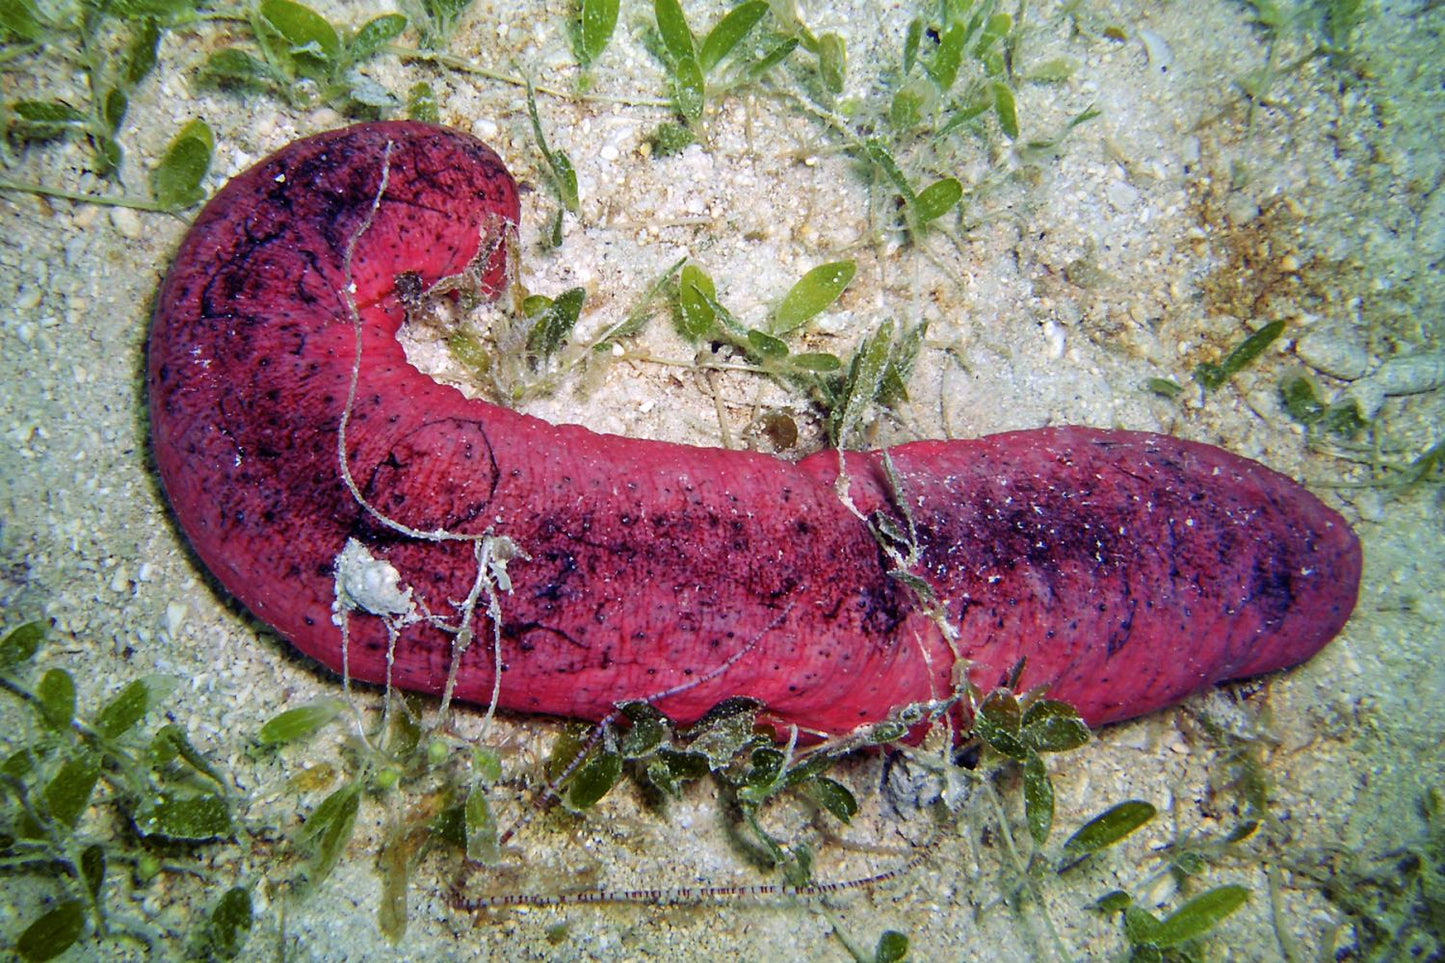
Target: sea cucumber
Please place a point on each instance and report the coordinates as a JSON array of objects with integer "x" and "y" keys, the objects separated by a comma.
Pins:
[{"x": 1124, "y": 570}]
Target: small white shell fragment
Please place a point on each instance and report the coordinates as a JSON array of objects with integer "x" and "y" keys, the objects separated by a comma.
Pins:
[
  {"x": 1161, "y": 58},
  {"x": 367, "y": 583},
  {"x": 1121, "y": 196},
  {"x": 175, "y": 618}
]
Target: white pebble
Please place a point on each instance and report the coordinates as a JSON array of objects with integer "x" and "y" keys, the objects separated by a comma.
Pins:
[
  {"x": 175, "y": 618},
  {"x": 1121, "y": 196},
  {"x": 1161, "y": 58},
  {"x": 126, "y": 221},
  {"x": 29, "y": 298}
]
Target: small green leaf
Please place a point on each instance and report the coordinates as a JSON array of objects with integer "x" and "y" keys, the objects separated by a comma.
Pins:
[
  {"x": 832, "y": 62},
  {"x": 976, "y": 107},
  {"x": 552, "y": 328},
  {"x": 440, "y": 20},
  {"x": 488, "y": 764},
  {"x": 766, "y": 348},
  {"x": 998, "y": 27},
  {"x": 593, "y": 779},
  {"x": 566, "y": 181},
  {"x": 230, "y": 924},
  {"x": 421, "y": 103},
  {"x": 911, "y": 40},
  {"x": 672, "y": 26},
  {"x": 892, "y": 947},
  {"x": 367, "y": 92},
  {"x": 313, "y": 46},
  {"x": 1199, "y": 915},
  {"x": 92, "y": 869},
  {"x": 108, "y": 154},
  {"x": 1052, "y": 71},
  {"x": 728, "y": 32},
  {"x": 764, "y": 775},
  {"x": 113, "y": 108},
  {"x": 860, "y": 388},
  {"x": 44, "y": 119},
  {"x": 1297, "y": 394},
  {"x": 300, "y": 723},
  {"x": 725, "y": 729},
  {"x": 405, "y": 732},
  {"x": 234, "y": 67},
  {"x": 1114, "y": 901},
  {"x": 1164, "y": 387},
  {"x": 1343, "y": 418},
  {"x": 671, "y": 769},
  {"x": 909, "y": 103},
  {"x": 1139, "y": 926},
  {"x": 832, "y": 796},
  {"x": 815, "y": 361},
  {"x": 1052, "y": 726},
  {"x": 20, "y": 19},
  {"x": 671, "y": 138},
  {"x": 47, "y": 112},
  {"x": 774, "y": 56},
  {"x": 596, "y": 21},
  {"x": 998, "y": 722},
  {"x": 68, "y": 792},
  {"x": 949, "y": 57},
  {"x": 1212, "y": 376},
  {"x": 375, "y": 34},
  {"x": 688, "y": 87},
  {"x": 900, "y": 365},
  {"x": 1003, "y": 106},
  {"x": 127, "y": 708},
  {"x": 140, "y": 55},
  {"x": 568, "y": 749},
  {"x": 184, "y": 817},
  {"x": 165, "y": 11},
  {"x": 564, "y": 177},
  {"x": 176, "y": 180},
  {"x": 813, "y": 293},
  {"x": 56, "y": 692},
  {"x": 393, "y": 864},
  {"x": 1038, "y": 798},
  {"x": 884, "y": 161},
  {"x": 20, "y": 644},
  {"x": 649, "y": 730},
  {"x": 481, "y": 829},
  {"x": 695, "y": 292},
  {"x": 328, "y": 829},
  {"x": 937, "y": 199},
  {"x": 1106, "y": 829},
  {"x": 52, "y": 934},
  {"x": 170, "y": 742}
]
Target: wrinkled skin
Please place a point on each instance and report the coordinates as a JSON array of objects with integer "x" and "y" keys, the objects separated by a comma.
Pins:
[{"x": 1126, "y": 570}]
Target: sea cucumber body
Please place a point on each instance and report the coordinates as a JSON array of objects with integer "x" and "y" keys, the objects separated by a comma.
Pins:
[{"x": 1127, "y": 569}]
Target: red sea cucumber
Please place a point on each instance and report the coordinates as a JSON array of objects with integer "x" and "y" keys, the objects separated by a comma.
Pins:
[{"x": 1127, "y": 569}]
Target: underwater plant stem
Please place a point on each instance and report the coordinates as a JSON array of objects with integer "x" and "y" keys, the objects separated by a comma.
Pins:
[
  {"x": 1021, "y": 866},
  {"x": 466, "y": 66},
  {"x": 104, "y": 200}
]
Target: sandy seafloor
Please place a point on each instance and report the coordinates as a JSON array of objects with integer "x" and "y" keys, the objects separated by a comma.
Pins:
[{"x": 1154, "y": 237}]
